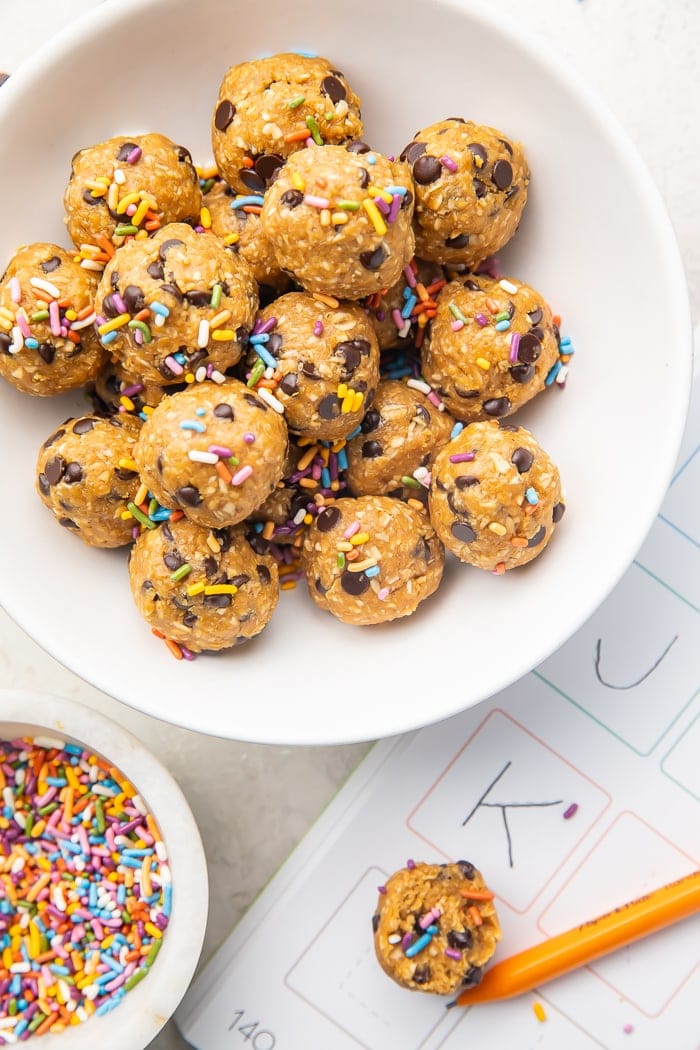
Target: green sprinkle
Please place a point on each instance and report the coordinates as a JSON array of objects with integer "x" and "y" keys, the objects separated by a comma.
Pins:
[
  {"x": 36, "y": 1021},
  {"x": 208, "y": 185},
  {"x": 12, "y": 1008},
  {"x": 143, "y": 328},
  {"x": 410, "y": 482},
  {"x": 141, "y": 517},
  {"x": 348, "y": 205},
  {"x": 180, "y": 573},
  {"x": 329, "y": 115},
  {"x": 298, "y": 101},
  {"x": 315, "y": 130},
  {"x": 257, "y": 373},
  {"x": 153, "y": 506},
  {"x": 502, "y": 316},
  {"x": 232, "y": 461},
  {"x": 340, "y": 561},
  {"x": 100, "y": 816},
  {"x": 40, "y": 315},
  {"x": 456, "y": 312},
  {"x": 137, "y": 976},
  {"x": 153, "y": 952},
  {"x": 216, "y": 296},
  {"x": 123, "y": 229},
  {"x": 48, "y": 808},
  {"x": 29, "y": 822}
]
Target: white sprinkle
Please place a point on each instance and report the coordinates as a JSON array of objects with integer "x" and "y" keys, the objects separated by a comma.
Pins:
[
  {"x": 8, "y": 797},
  {"x": 203, "y": 333},
  {"x": 49, "y": 742},
  {"x": 201, "y": 374},
  {"x": 217, "y": 377},
  {"x": 272, "y": 130},
  {"x": 119, "y": 177},
  {"x": 299, "y": 516},
  {"x": 508, "y": 286},
  {"x": 91, "y": 991},
  {"x": 561, "y": 375},
  {"x": 140, "y": 805},
  {"x": 341, "y": 108},
  {"x": 23, "y": 967},
  {"x": 45, "y": 286},
  {"x": 161, "y": 851},
  {"x": 269, "y": 372},
  {"x": 85, "y": 323},
  {"x": 159, "y": 321},
  {"x": 100, "y": 789},
  {"x": 89, "y": 264},
  {"x": 420, "y": 472},
  {"x": 418, "y": 384},
  {"x": 394, "y": 938},
  {"x": 165, "y": 876},
  {"x": 17, "y": 865},
  {"x": 269, "y": 399},
  {"x": 202, "y": 457},
  {"x": 17, "y": 340}
]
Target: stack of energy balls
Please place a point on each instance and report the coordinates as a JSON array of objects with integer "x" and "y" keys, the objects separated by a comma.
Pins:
[{"x": 301, "y": 361}]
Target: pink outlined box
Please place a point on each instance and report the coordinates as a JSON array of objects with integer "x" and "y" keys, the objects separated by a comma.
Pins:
[
  {"x": 630, "y": 859},
  {"x": 501, "y": 800}
]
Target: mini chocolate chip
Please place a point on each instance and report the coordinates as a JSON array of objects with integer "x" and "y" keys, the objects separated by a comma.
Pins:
[
  {"x": 155, "y": 270},
  {"x": 328, "y": 519},
  {"x": 172, "y": 560},
  {"x": 210, "y": 566},
  {"x": 479, "y": 188},
  {"x": 373, "y": 260},
  {"x": 255, "y": 402},
  {"x": 114, "y": 279},
  {"x": 133, "y": 298},
  {"x": 423, "y": 415},
  {"x": 124, "y": 475},
  {"x": 109, "y": 308},
  {"x": 189, "y": 619},
  {"x": 371, "y": 421},
  {"x": 460, "y": 240},
  {"x": 506, "y": 144},
  {"x": 292, "y": 198},
  {"x": 5, "y": 342},
  {"x": 354, "y": 583},
  {"x": 51, "y": 264},
  {"x": 89, "y": 199},
  {"x": 364, "y": 178},
  {"x": 125, "y": 149},
  {"x": 83, "y": 426},
  {"x": 251, "y": 180},
  {"x": 529, "y": 348},
  {"x": 165, "y": 247},
  {"x": 558, "y": 512},
  {"x": 522, "y": 373},
  {"x": 43, "y": 484},
  {"x": 263, "y": 574},
  {"x": 535, "y": 315},
  {"x": 535, "y": 540},
  {"x": 422, "y": 974},
  {"x": 502, "y": 174},
  {"x": 217, "y": 601},
  {"x": 332, "y": 87},
  {"x": 467, "y": 395},
  {"x": 290, "y": 384},
  {"x": 309, "y": 370},
  {"x": 406, "y": 200},
  {"x": 47, "y": 352},
  {"x": 225, "y": 112},
  {"x": 183, "y": 155},
  {"x": 329, "y": 407},
  {"x": 413, "y": 151},
  {"x": 472, "y": 285},
  {"x": 465, "y": 481},
  {"x": 173, "y": 289},
  {"x": 3, "y": 78},
  {"x": 358, "y": 146},
  {"x": 274, "y": 344},
  {"x": 522, "y": 459},
  {"x": 512, "y": 192},
  {"x": 352, "y": 350},
  {"x": 462, "y": 531},
  {"x": 53, "y": 437},
  {"x": 473, "y": 976},
  {"x": 267, "y": 166},
  {"x": 68, "y": 523},
  {"x": 375, "y": 917},
  {"x": 466, "y": 868},
  {"x": 223, "y": 411},
  {"x": 477, "y": 150},
  {"x": 460, "y": 939},
  {"x": 73, "y": 473},
  {"x": 426, "y": 169},
  {"x": 189, "y": 495},
  {"x": 196, "y": 298},
  {"x": 496, "y": 406},
  {"x": 371, "y": 449},
  {"x": 54, "y": 469},
  {"x": 538, "y": 333}
]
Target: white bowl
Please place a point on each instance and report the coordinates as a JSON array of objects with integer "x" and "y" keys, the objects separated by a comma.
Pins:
[
  {"x": 595, "y": 239},
  {"x": 144, "y": 1010}
]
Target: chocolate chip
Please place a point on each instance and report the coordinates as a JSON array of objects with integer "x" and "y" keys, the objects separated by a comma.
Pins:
[
  {"x": 3, "y": 78},
  {"x": 274, "y": 344},
  {"x": 126, "y": 149},
  {"x": 309, "y": 370},
  {"x": 502, "y": 174},
  {"x": 413, "y": 151},
  {"x": 89, "y": 199},
  {"x": 522, "y": 459},
  {"x": 512, "y": 192},
  {"x": 122, "y": 474},
  {"x": 47, "y": 352},
  {"x": 173, "y": 289},
  {"x": 426, "y": 169},
  {"x": 267, "y": 166},
  {"x": 196, "y": 298},
  {"x": 352, "y": 350},
  {"x": 328, "y": 519},
  {"x": 477, "y": 150},
  {"x": 461, "y": 940},
  {"x": 462, "y": 531},
  {"x": 375, "y": 917},
  {"x": 358, "y": 146},
  {"x": 172, "y": 560},
  {"x": 255, "y": 402},
  {"x": 217, "y": 601},
  {"x": 251, "y": 180},
  {"x": 373, "y": 260},
  {"x": 535, "y": 540},
  {"x": 364, "y": 178},
  {"x": 538, "y": 333},
  {"x": 188, "y": 495},
  {"x": 460, "y": 240},
  {"x": 5, "y": 343},
  {"x": 371, "y": 421},
  {"x": 51, "y": 264},
  {"x": 290, "y": 384},
  {"x": 165, "y": 247},
  {"x": 43, "y": 482},
  {"x": 354, "y": 583},
  {"x": 535, "y": 315},
  {"x": 467, "y": 395},
  {"x": 225, "y": 112},
  {"x": 465, "y": 481},
  {"x": 473, "y": 976},
  {"x": 54, "y": 469},
  {"x": 292, "y": 198},
  {"x": 155, "y": 270},
  {"x": 371, "y": 449},
  {"x": 522, "y": 373},
  {"x": 479, "y": 188},
  {"x": 329, "y": 407},
  {"x": 68, "y": 523},
  {"x": 223, "y": 411},
  {"x": 406, "y": 200},
  {"x": 184, "y": 156},
  {"x": 53, "y": 437},
  {"x": 332, "y": 87},
  {"x": 189, "y": 619},
  {"x": 529, "y": 348},
  {"x": 422, "y": 974},
  {"x": 558, "y": 512},
  {"x": 496, "y": 406},
  {"x": 83, "y": 426},
  {"x": 506, "y": 144},
  {"x": 133, "y": 298},
  {"x": 73, "y": 473},
  {"x": 109, "y": 307}
]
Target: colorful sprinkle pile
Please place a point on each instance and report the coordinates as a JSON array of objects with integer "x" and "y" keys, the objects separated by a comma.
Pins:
[
  {"x": 85, "y": 887},
  {"x": 41, "y": 304}
]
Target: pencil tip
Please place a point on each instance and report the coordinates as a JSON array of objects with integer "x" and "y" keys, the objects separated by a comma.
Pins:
[{"x": 448, "y": 1006}]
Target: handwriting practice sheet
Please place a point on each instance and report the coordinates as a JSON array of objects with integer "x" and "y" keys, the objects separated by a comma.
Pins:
[{"x": 574, "y": 791}]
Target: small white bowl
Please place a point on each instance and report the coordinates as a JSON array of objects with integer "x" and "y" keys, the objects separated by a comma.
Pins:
[
  {"x": 145, "y": 1009},
  {"x": 594, "y": 239}
]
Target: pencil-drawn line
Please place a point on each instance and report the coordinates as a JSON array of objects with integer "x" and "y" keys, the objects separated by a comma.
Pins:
[
  {"x": 631, "y": 685},
  {"x": 492, "y": 784}
]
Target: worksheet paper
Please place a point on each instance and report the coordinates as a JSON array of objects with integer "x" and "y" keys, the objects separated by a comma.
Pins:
[{"x": 609, "y": 724}]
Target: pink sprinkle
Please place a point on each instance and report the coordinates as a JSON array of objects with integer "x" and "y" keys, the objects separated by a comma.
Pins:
[
  {"x": 383, "y": 594},
  {"x": 351, "y": 530},
  {"x": 410, "y": 864},
  {"x": 382, "y": 205},
  {"x": 481, "y": 320},
  {"x": 138, "y": 337},
  {"x": 628, "y": 1029},
  {"x": 249, "y": 438},
  {"x": 220, "y": 450},
  {"x": 119, "y": 303},
  {"x": 173, "y": 365},
  {"x": 430, "y": 916},
  {"x": 15, "y": 290},
  {"x": 23, "y": 324},
  {"x": 135, "y": 388},
  {"x": 267, "y": 326},
  {"x": 309, "y": 141},
  {"x": 381, "y": 889},
  {"x": 131, "y": 210},
  {"x": 54, "y": 318},
  {"x": 410, "y": 276},
  {"x": 187, "y": 653},
  {"x": 456, "y": 324},
  {"x": 448, "y": 163},
  {"x": 210, "y": 370},
  {"x": 407, "y": 941},
  {"x": 134, "y": 156},
  {"x": 318, "y": 328},
  {"x": 316, "y": 202},
  {"x": 514, "y": 344},
  {"x": 397, "y": 318},
  {"x": 242, "y": 475},
  {"x": 395, "y": 208},
  {"x": 569, "y": 813},
  {"x": 452, "y": 953},
  {"x": 434, "y": 399},
  {"x": 462, "y": 457}
]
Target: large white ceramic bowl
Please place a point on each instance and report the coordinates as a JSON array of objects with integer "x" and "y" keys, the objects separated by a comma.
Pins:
[
  {"x": 594, "y": 239},
  {"x": 145, "y": 1009}
]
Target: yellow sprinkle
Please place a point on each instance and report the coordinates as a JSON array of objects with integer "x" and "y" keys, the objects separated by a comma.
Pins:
[
  {"x": 140, "y": 214},
  {"x": 207, "y": 171},
  {"x": 142, "y": 235},
  {"x": 231, "y": 238},
  {"x": 104, "y": 180},
  {"x": 146, "y": 884},
  {"x": 348, "y": 402},
  {"x": 127, "y": 199},
  {"x": 357, "y": 401},
  {"x": 344, "y": 545},
  {"x": 221, "y": 588},
  {"x": 328, "y": 300},
  {"x": 125, "y": 515},
  {"x": 147, "y": 410},
  {"x": 358, "y": 538},
  {"x": 339, "y": 218},
  {"x": 538, "y": 1010},
  {"x": 194, "y": 589},
  {"x": 223, "y": 335},
  {"x": 127, "y": 403},
  {"x": 497, "y": 528},
  {"x": 141, "y": 494},
  {"x": 218, "y": 319},
  {"x": 288, "y": 585},
  {"x": 342, "y": 390},
  {"x": 113, "y": 196},
  {"x": 325, "y": 217},
  {"x": 298, "y": 182},
  {"x": 127, "y": 464},
  {"x": 377, "y": 192},
  {"x": 360, "y": 566},
  {"x": 308, "y": 518},
  {"x": 151, "y": 928},
  {"x": 205, "y": 218},
  {"x": 5, "y": 325},
  {"x": 483, "y": 363},
  {"x": 375, "y": 216},
  {"x": 422, "y": 320},
  {"x": 71, "y": 315},
  {"x": 189, "y": 377},
  {"x": 116, "y": 322}
]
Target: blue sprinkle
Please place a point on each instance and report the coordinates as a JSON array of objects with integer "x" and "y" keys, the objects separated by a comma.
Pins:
[
  {"x": 62, "y": 970},
  {"x": 371, "y": 159},
  {"x": 502, "y": 326},
  {"x": 193, "y": 424},
  {"x": 162, "y": 514},
  {"x": 553, "y": 373},
  {"x": 143, "y": 416},
  {"x": 265, "y": 356},
  {"x": 180, "y": 358},
  {"x": 159, "y": 308},
  {"x": 72, "y": 749},
  {"x": 354, "y": 434},
  {"x": 372, "y": 571},
  {"x": 456, "y": 430},
  {"x": 256, "y": 340},
  {"x": 396, "y": 191},
  {"x": 21, "y": 1025},
  {"x": 532, "y": 497},
  {"x": 167, "y": 898},
  {"x": 418, "y": 945},
  {"x": 16, "y": 985},
  {"x": 406, "y": 312},
  {"x": 306, "y": 54},
  {"x": 108, "y": 1005},
  {"x": 137, "y": 853},
  {"x": 242, "y": 202},
  {"x": 129, "y": 862},
  {"x": 33, "y": 344},
  {"x": 326, "y": 478},
  {"x": 343, "y": 458},
  {"x": 106, "y": 339},
  {"x": 258, "y": 526}
]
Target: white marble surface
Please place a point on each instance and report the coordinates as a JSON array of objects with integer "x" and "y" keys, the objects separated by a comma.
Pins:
[{"x": 253, "y": 803}]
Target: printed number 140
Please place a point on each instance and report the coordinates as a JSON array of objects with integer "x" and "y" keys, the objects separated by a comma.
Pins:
[{"x": 260, "y": 1038}]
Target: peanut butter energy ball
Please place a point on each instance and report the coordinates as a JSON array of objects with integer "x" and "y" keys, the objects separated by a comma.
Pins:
[
  {"x": 371, "y": 559},
  {"x": 471, "y": 187},
  {"x": 126, "y": 185},
  {"x": 269, "y": 107},
  {"x": 495, "y": 496},
  {"x": 490, "y": 347},
  {"x": 47, "y": 338},
  {"x": 203, "y": 588},
  {"x": 86, "y": 477},
  {"x": 215, "y": 451},
  {"x": 340, "y": 221},
  {"x": 435, "y": 927},
  {"x": 178, "y": 303}
]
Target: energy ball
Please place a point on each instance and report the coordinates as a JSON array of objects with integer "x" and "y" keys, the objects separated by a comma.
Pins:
[
  {"x": 86, "y": 476},
  {"x": 47, "y": 339},
  {"x": 237, "y": 221},
  {"x": 178, "y": 303},
  {"x": 399, "y": 439},
  {"x": 340, "y": 221},
  {"x": 495, "y": 496},
  {"x": 396, "y": 312},
  {"x": 125, "y": 187},
  {"x": 215, "y": 451},
  {"x": 328, "y": 359},
  {"x": 471, "y": 187},
  {"x": 268, "y": 108},
  {"x": 435, "y": 927},
  {"x": 371, "y": 559},
  {"x": 490, "y": 347},
  {"x": 203, "y": 588}
]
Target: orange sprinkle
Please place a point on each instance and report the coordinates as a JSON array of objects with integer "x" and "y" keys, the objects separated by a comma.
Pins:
[
  {"x": 223, "y": 472},
  {"x": 157, "y": 633},
  {"x": 268, "y": 530},
  {"x": 142, "y": 315},
  {"x": 176, "y": 515},
  {"x": 46, "y": 1024},
  {"x": 491, "y": 305},
  {"x": 152, "y": 224},
  {"x": 518, "y": 541},
  {"x": 557, "y": 320},
  {"x": 104, "y": 243},
  {"x": 500, "y": 568},
  {"x": 477, "y": 895},
  {"x": 308, "y": 483},
  {"x": 252, "y": 209},
  {"x": 436, "y": 286},
  {"x": 39, "y": 293},
  {"x": 475, "y": 915},
  {"x": 307, "y": 457},
  {"x": 85, "y": 312},
  {"x": 74, "y": 337},
  {"x": 247, "y": 162},
  {"x": 294, "y": 136}
]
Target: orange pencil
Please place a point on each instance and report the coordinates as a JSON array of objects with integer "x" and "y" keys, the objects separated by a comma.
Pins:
[{"x": 580, "y": 946}]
